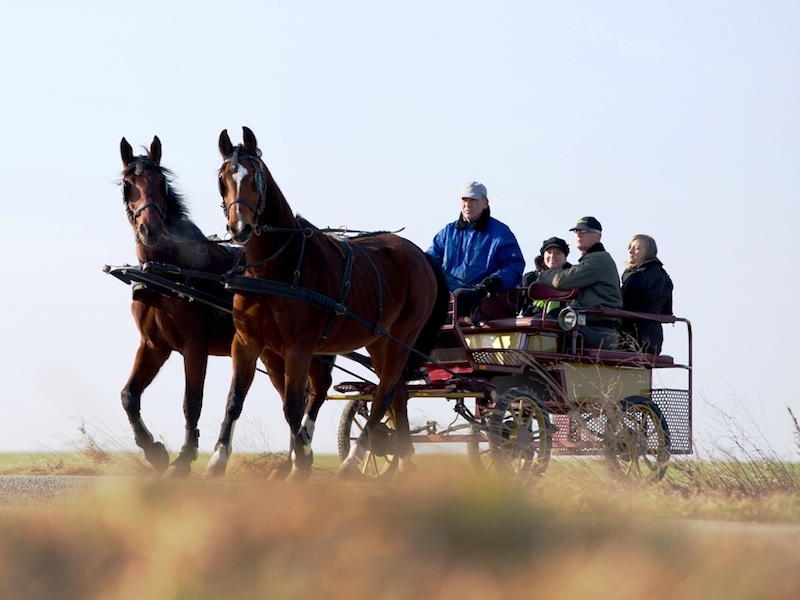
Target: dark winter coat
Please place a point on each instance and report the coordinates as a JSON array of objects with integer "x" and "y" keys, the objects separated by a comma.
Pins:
[{"x": 646, "y": 288}]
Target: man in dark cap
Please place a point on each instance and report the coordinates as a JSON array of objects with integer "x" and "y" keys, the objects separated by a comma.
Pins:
[
  {"x": 479, "y": 254},
  {"x": 597, "y": 278},
  {"x": 552, "y": 255}
]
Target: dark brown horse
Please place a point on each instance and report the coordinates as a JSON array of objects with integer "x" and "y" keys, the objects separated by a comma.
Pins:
[
  {"x": 325, "y": 296},
  {"x": 167, "y": 323}
]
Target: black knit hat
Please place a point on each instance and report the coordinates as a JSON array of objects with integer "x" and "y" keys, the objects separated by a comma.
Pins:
[{"x": 555, "y": 242}]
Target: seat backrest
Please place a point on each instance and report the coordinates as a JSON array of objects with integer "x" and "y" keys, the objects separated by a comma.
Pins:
[
  {"x": 541, "y": 291},
  {"x": 499, "y": 306}
]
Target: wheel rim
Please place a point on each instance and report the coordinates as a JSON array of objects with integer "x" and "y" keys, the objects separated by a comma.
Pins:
[
  {"x": 354, "y": 421},
  {"x": 637, "y": 442},
  {"x": 520, "y": 435}
]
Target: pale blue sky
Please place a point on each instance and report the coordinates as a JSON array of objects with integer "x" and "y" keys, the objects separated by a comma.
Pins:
[{"x": 674, "y": 119}]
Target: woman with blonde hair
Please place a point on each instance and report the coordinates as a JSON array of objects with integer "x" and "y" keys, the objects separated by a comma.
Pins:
[{"x": 646, "y": 287}]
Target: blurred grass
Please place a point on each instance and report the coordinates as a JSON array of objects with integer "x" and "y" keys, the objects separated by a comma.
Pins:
[{"x": 442, "y": 533}]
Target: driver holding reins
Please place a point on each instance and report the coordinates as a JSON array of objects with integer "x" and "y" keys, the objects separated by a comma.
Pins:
[{"x": 479, "y": 254}]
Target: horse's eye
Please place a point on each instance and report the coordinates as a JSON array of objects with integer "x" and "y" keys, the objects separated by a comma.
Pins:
[{"x": 221, "y": 183}]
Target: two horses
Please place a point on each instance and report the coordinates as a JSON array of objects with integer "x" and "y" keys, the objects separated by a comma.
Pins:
[{"x": 306, "y": 294}]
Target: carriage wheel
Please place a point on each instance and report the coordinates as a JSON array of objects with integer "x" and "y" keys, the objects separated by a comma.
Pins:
[
  {"x": 479, "y": 453},
  {"x": 520, "y": 438},
  {"x": 637, "y": 441},
  {"x": 380, "y": 463}
]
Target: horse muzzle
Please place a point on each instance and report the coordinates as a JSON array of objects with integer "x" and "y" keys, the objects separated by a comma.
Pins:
[
  {"x": 241, "y": 232},
  {"x": 150, "y": 235}
]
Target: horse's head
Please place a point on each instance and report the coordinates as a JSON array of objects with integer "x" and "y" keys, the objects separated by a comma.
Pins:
[
  {"x": 145, "y": 191},
  {"x": 242, "y": 184}
]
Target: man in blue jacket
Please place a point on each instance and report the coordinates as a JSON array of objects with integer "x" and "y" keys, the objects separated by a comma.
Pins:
[{"x": 479, "y": 254}]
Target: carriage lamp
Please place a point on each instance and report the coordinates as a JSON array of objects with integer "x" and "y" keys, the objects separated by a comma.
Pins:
[{"x": 568, "y": 319}]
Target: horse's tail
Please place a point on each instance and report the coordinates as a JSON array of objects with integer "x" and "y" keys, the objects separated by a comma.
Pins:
[{"x": 430, "y": 331}]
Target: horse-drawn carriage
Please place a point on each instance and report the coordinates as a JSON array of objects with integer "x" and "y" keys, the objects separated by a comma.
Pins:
[
  {"x": 526, "y": 388},
  {"x": 297, "y": 295}
]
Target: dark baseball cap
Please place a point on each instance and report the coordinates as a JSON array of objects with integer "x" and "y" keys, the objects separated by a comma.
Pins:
[
  {"x": 588, "y": 224},
  {"x": 555, "y": 242}
]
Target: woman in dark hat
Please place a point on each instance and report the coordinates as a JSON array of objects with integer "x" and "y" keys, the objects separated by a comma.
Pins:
[
  {"x": 646, "y": 287},
  {"x": 552, "y": 255}
]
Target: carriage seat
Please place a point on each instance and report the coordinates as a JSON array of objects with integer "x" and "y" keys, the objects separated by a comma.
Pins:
[{"x": 541, "y": 291}]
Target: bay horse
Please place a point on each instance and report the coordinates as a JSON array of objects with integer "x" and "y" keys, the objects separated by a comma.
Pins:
[
  {"x": 328, "y": 296},
  {"x": 164, "y": 233}
]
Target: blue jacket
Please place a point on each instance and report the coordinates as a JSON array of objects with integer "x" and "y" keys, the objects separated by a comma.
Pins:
[{"x": 468, "y": 253}]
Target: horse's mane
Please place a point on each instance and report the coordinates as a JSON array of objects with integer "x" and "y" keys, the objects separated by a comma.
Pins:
[{"x": 177, "y": 218}]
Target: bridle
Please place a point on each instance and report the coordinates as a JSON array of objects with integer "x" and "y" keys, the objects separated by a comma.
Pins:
[
  {"x": 260, "y": 182},
  {"x": 140, "y": 163}
]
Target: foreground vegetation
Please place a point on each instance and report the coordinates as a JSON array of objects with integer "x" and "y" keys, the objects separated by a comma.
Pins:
[{"x": 710, "y": 530}]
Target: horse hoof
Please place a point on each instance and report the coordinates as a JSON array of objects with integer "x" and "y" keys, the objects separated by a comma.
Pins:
[
  {"x": 278, "y": 474},
  {"x": 216, "y": 465},
  {"x": 178, "y": 471},
  {"x": 299, "y": 476},
  {"x": 213, "y": 472},
  {"x": 348, "y": 473},
  {"x": 157, "y": 456}
]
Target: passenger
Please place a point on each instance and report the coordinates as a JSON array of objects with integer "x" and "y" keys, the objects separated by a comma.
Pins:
[
  {"x": 646, "y": 287},
  {"x": 552, "y": 255},
  {"x": 597, "y": 279},
  {"x": 479, "y": 254}
]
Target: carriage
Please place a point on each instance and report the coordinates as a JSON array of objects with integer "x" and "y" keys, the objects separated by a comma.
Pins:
[
  {"x": 524, "y": 389},
  {"x": 296, "y": 295}
]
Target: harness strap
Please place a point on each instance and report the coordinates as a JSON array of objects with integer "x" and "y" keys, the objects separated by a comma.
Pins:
[
  {"x": 243, "y": 283},
  {"x": 380, "y": 290},
  {"x": 344, "y": 289}
]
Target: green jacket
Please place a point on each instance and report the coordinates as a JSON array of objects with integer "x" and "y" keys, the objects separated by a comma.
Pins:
[{"x": 596, "y": 277}]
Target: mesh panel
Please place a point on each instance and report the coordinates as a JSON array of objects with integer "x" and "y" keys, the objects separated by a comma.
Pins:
[
  {"x": 676, "y": 406},
  {"x": 502, "y": 358},
  {"x": 580, "y": 433}
]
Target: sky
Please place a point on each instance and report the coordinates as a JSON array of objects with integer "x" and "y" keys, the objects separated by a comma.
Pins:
[{"x": 678, "y": 120}]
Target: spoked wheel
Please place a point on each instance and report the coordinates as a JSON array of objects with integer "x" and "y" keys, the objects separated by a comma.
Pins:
[
  {"x": 520, "y": 434},
  {"x": 637, "y": 441},
  {"x": 479, "y": 453},
  {"x": 381, "y": 462}
]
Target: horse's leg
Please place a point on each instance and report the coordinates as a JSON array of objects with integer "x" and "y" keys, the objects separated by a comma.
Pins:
[
  {"x": 298, "y": 370},
  {"x": 195, "y": 363},
  {"x": 405, "y": 448},
  {"x": 319, "y": 382},
  {"x": 389, "y": 359},
  {"x": 277, "y": 369},
  {"x": 149, "y": 360},
  {"x": 243, "y": 358}
]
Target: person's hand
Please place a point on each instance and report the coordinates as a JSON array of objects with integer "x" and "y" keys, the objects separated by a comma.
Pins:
[{"x": 490, "y": 285}]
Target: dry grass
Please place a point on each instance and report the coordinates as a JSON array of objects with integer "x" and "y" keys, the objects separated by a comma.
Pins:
[
  {"x": 441, "y": 534},
  {"x": 712, "y": 529}
]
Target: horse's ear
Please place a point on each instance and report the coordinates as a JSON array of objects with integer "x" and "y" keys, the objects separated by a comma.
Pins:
[
  {"x": 155, "y": 150},
  {"x": 225, "y": 146},
  {"x": 250, "y": 143},
  {"x": 126, "y": 151}
]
